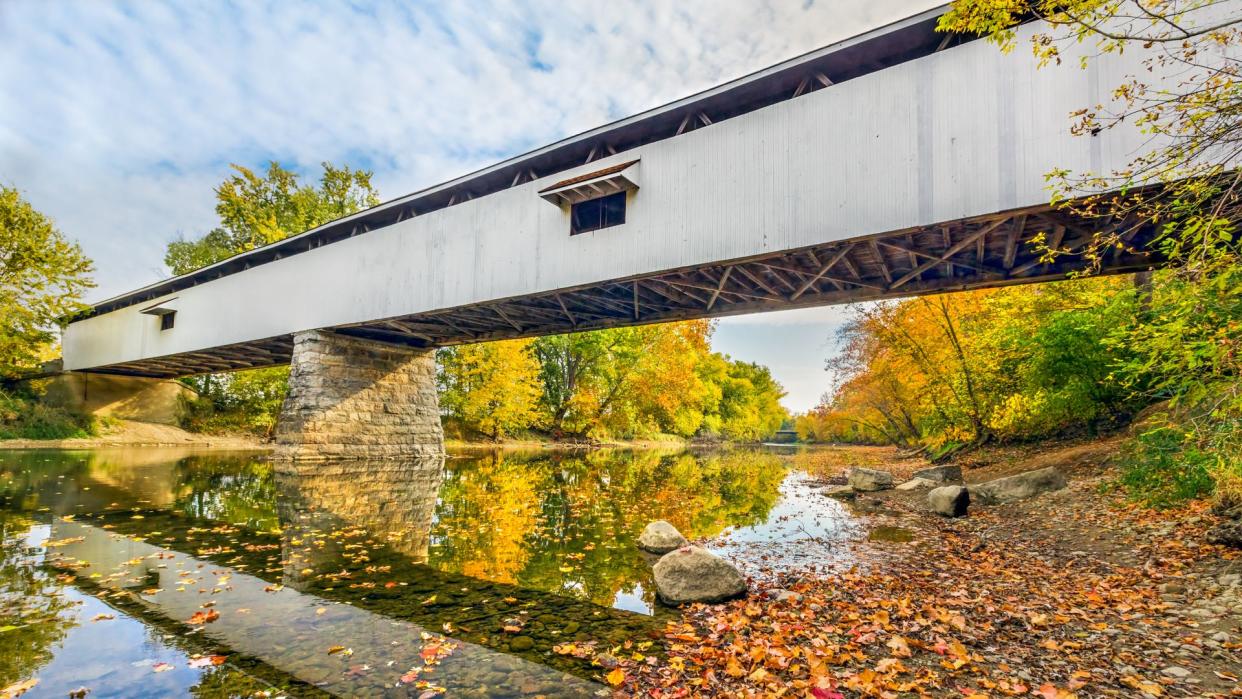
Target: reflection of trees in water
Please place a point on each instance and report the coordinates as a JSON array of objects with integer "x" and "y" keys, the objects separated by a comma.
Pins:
[
  {"x": 567, "y": 522},
  {"x": 233, "y": 489},
  {"x": 33, "y": 611}
]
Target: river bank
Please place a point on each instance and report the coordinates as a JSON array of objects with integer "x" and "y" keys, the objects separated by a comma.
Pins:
[
  {"x": 129, "y": 433},
  {"x": 1074, "y": 593}
]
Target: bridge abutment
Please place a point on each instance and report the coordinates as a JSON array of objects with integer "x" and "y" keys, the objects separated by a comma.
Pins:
[{"x": 351, "y": 398}]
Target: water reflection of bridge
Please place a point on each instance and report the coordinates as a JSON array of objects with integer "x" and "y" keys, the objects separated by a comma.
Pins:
[
  {"x": 352, "y": 539},
  {"x": 292, "y": 630}
]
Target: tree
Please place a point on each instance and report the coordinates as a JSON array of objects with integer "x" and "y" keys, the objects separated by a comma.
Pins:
[
  {"x": 491, "y": 388},
  {"x": 1188, "y": 101},
  {"x": 42, "y": 278},
  {"x": 258, "y": 210}
]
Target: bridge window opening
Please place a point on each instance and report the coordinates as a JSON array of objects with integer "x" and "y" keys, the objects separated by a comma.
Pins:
[
  {"x": 594, "y": 214},
  {"x": 167, "y": 320}
]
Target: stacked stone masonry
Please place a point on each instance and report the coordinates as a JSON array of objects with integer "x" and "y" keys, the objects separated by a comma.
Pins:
[{"x": 351, "y": 398}]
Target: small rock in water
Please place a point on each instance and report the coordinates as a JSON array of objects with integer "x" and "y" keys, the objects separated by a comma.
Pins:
[
  {"x": 521, "y": 643},
  {"x": 870, "y": 479},
  {"x": 661, "y": 537},
  {"x": 691, "y": 574},
  {"x": 949, "y": 500},
  {"x": 941, "y": 474},
  {"x": 1230, "y": 579},
  {"x": 841, "y": 492},
  {"x": 917, "y": 483}
]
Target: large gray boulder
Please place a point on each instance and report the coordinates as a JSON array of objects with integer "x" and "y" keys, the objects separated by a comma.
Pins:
[
  {"x": 948, "y": 473},
  {"x": 691, "y": 574},
  {"x": 949, "y": 500},
  {"x": 1023, "y": 485},
  {"x": 868, "y": 479},
  {"x": 661, "y": 537}
]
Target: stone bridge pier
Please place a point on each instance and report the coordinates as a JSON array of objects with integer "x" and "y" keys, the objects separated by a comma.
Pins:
[{"x": 351, "y": 398}]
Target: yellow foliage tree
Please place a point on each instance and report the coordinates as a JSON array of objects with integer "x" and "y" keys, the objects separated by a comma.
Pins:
[{"x": 491, "y": 388}]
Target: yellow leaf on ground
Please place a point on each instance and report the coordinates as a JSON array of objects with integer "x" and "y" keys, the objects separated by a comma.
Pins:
[{"x": 616, "y": 677}]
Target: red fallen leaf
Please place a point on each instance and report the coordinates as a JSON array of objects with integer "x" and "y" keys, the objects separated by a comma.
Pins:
[
  {"x": 412, "y": 676},
  {"x": 203, "y": 617},
  {"x": 825, "y": 693}
]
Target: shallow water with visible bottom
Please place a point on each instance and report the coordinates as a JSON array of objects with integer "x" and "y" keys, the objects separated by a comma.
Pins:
[{"x": 154, "y": 573}]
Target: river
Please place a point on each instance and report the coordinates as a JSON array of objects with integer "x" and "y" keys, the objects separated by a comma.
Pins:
[{"x": 151, "y": 573}]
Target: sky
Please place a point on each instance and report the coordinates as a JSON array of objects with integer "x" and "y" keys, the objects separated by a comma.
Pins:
[{"x": 118, "y": 118}]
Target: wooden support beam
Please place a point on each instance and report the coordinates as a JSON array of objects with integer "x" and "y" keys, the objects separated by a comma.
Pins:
[
  {"x": 961, "y": 245},
  {"x": 879, "y": 257},
  {"x": 701, "y": 300},
  {"x": 773, "y": 270},
  {"x": 1011, "y": 241},
  {"x": 915, "y": 252},
  {"x": 565, "y": 309},
  {"x": 500, "y": 312},
  {"x": 756, "y": 280},
  {"x": 719, "y": 287},
  {"x": 832, "y": 261}
]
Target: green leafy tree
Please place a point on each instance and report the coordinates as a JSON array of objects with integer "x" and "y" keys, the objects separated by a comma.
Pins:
[
  {"x": 256, "y": 210},
  {"x": 42, "y": 278},
  {"x": 1187, "y": 101}
]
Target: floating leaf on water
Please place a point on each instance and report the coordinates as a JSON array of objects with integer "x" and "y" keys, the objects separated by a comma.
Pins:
[{"x": 203, "y": 617}]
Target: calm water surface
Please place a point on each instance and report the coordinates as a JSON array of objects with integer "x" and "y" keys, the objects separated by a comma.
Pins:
[{"x": 152, "y": 573}]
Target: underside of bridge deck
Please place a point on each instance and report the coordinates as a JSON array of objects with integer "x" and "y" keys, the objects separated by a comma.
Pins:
[{"x": 987, "y": 251}]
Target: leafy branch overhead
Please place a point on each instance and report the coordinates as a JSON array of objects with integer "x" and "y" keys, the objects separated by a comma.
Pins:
[{"x": 1186, "y": 101}]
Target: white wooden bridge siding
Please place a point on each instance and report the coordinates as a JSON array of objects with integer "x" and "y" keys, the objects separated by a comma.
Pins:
[{"x": 964, "y": 132}]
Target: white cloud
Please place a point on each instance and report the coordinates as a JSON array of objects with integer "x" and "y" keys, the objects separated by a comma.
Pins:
[{"x": 119, "y": 117}]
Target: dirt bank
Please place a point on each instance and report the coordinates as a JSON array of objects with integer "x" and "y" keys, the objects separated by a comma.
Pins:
[{"x": 127, "y": 433}]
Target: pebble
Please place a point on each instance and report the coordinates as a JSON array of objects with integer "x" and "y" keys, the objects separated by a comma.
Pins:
[
  {"x": 1176, "y": 671},
  {"x": 1221, "y": 637},
  {"x": 521, "y": 643}
]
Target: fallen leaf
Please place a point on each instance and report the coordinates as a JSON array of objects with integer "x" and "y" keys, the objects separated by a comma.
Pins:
[{"x": 616, "y": 677}]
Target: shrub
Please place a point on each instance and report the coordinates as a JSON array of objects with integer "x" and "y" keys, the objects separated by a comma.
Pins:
[
  {"x": 1164, "y": 467},
  {"x": 24, "y": 417}
]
